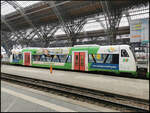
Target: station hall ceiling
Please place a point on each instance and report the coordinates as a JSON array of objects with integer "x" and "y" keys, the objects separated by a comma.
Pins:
[{"x": 41, "y": 12}]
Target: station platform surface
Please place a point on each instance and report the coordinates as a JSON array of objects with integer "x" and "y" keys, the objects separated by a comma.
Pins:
[
  {"x": 138, "y": 88},
  {"x": 15, "y": 98}
]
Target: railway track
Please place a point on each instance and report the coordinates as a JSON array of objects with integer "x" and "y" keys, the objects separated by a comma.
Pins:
[{"x": 113, "y": 101}]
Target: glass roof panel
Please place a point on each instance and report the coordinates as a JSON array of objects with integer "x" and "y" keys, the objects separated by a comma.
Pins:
[
  {"x": 27, "y": 3},
  {"x": 6, "y": 8}
]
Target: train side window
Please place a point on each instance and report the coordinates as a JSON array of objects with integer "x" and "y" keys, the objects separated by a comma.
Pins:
[
  {"x": 49, "y": 58},
  {"x": 100, "y": 58},
  {"x": 63, "y": 58},
  {"x": 16, "y": 56},
  {"x": 36, "y": 57},
  {"x": 20, "y": 56},
  {"x": 69, "y": 59},
  {"x": 33, "y": 57},
  {"x": 59, "y": 58},
  {"x": 92, "y": 58},
  {"x": 124, "y": 53},
  {"x": 115, "y": 59},
  {"x": 43, "y": 58},
  {"x": 55, "y": 58},
  {"x": 112, "y": 59},
  {"x": 109, "y": 59},
  {"x": 52, "y": 56}
]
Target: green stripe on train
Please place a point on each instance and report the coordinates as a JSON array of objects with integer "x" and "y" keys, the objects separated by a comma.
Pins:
[
  {"x": 66, "y": 66},
  {"x": 20, "y": 62},
  {"x": 33, "y": 51}
]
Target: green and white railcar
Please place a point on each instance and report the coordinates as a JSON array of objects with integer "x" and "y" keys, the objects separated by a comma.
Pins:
[{"x": 113, "y": 58}]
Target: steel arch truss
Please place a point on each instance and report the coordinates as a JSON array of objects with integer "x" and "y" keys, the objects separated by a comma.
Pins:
[
  {"x": 22, "y": 12},
  {"x": 112, "y": 16},
  {"x": 48, "y": 32},
  {"x": 70, "y": 27}
]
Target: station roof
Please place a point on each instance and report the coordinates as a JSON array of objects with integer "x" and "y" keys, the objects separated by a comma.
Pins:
[{"x": 40, "y": 13}]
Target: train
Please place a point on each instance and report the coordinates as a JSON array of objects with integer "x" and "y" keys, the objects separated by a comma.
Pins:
[{"x": 112, "y": 58}]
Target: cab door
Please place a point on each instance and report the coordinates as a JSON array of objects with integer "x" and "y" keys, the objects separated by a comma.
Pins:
[{"x": 27, "y": 59}]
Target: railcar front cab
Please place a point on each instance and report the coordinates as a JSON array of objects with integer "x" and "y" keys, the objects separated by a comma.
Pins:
[
  {"x": 115, "y": 58},
  {"x": 127, "y": 60}
]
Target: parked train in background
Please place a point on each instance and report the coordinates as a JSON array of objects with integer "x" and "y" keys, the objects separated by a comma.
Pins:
[{"x": 113, "y": 58}]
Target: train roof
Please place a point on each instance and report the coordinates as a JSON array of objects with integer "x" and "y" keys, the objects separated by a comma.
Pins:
[
  {"x": 95, "y": 45},
  {"x": 46, "y": 48},
  {"x": 111, "y": 49},
  {"x": 65, "y": 50},
  {"x": 89, "y": 45}
]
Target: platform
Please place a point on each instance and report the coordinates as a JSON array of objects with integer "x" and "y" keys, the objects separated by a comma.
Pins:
[
  {"x": 124, "y": 86},
  {"x": 15, "y": 98}
]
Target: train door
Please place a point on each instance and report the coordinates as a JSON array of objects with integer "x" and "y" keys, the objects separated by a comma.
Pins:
[
  {"x": 79, "y": 61},
  {"x": 76, "y": 61},
  {"x": 82, "y": 61},
  {"x": 27, "y": 58}
]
